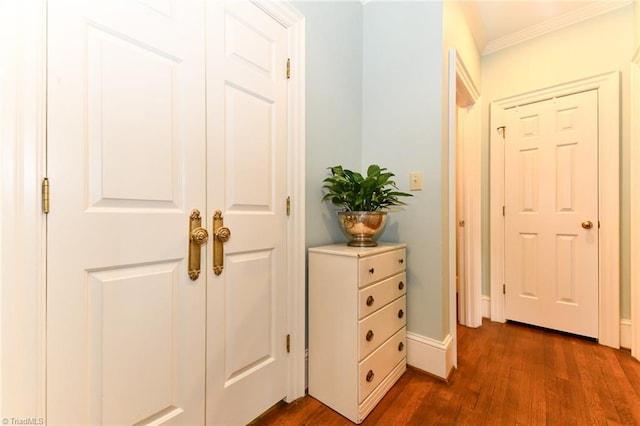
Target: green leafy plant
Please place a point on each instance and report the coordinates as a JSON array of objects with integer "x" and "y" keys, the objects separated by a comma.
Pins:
[{"x": 354, "y": 192}]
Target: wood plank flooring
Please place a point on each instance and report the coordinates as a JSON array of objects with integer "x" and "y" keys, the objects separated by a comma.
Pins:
[{"x": 507, "y": 374}]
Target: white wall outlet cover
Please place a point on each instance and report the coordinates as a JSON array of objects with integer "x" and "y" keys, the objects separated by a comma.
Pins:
[{"x": 415, "y": 181}]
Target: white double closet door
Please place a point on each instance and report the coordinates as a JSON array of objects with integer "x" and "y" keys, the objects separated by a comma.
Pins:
[{"x": 154, "y": 109}]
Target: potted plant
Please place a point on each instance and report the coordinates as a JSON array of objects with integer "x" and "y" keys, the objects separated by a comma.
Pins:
[{"x": 363, "y": 200}]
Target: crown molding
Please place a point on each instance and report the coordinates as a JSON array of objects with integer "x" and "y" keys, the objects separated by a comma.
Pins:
[{"x": 578, "y": 15}]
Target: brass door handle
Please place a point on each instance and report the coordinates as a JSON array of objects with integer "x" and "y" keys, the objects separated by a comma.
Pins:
[
  {"x": 587, "y": 224},
  {"x": 198, "y": 236},
  {"x": 221, "y": 235}
]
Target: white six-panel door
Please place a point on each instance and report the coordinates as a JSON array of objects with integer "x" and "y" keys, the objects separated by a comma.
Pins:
[
  {"x": 551, "y": 217},
  {"x": 246, "y": 181},
  {"x": 126, "y": 162}
]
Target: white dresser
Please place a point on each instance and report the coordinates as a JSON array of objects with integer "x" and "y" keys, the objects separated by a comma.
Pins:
[{"x": 357, "y": 325}]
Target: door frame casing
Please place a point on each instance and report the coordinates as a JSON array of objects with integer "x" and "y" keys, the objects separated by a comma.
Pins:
[
  {"x": 459, "y": 80},
  {"x": 294, "y": 22},
  {"x": 470, "y": 297},
  {"x": 608, "y": 87},
  {"x": 23, "y": 226},
  {"x": 635, "y": 203}
]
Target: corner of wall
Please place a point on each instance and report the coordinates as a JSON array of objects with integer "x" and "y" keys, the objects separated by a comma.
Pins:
[{"x": 429, "y": 355}]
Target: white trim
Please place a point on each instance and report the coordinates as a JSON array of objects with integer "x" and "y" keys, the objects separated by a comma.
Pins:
[
  {"x": 592, "y": 10},
  {"x": 451, "y": 213},
  {"x": 465, "y": 82},
  {"x": 634, "y": 186},
  {"x": 625, "y": 333},
  {"x": 486, "y": 306},
  {"x": 430, "y": 355},
  {"x": 22, "y": 147},
  {"x": 469, "y": 301},
  {"x": 496, "y": 219},
  {"x": 294, "y": 21},
  {"x": 608, "y": 86}
]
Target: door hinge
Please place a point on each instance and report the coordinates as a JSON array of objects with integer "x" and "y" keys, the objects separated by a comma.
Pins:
[
  {"x": 45, "y": 195},
  {"x": 504, "y": 289},
  {"x": 288, "y": 343},
  {"x": 288, "y": 67},
  {"x": 503, "y": 209},
  {"x": 288, "y": 206}
]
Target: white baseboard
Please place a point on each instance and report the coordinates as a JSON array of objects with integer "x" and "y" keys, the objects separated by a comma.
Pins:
[
  {"x": 625, "y": 333},
  {"x": 436, "y": 357},
  {"x": 485, "y": 303},
  {"x": 424, "y": 353},
  {"x": 430, "y": 355},
  {"x": 625, "y": 324}
]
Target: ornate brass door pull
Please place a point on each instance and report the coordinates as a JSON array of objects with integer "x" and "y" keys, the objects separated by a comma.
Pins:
[
  {"x": 197, "y": 237},
  {"x": 221, "y": 235}
]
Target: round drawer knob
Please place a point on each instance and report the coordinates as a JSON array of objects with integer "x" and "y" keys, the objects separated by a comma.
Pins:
[
  {"x": 400, "y": 347},
  {"x": 401, "y": 261},
  {"x": 369, "y": 335},
  {"x": 370, "y": 376},
  {"x": 370, "y": 300},
  {"x": 400, "y": 313},
  {"x": 400, "y": 285},
  {"x": 371, "y": 271}
]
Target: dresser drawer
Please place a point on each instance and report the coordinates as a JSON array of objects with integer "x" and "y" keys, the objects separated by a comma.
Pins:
[
  {"x": 375, "y": 368},
  {"x": 377, "y": 327},
  {"x": 374, "y": 268},
  {"x": 379, "y": 294}
]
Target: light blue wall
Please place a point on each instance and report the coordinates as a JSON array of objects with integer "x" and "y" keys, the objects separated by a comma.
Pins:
[
  {"x": 333, "y": 102},
  {"x": 374, "y": 93},
  {"x": 402, "y": 130}
]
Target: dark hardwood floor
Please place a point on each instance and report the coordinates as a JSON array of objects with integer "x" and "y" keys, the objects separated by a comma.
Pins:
[{"x": 507, "y": 374}]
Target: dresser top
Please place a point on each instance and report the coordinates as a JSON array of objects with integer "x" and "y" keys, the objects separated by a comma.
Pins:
[{"x": 345, "y": 250}]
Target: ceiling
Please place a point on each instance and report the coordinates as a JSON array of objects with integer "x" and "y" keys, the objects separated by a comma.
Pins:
[{"x": 497, "y": 24}]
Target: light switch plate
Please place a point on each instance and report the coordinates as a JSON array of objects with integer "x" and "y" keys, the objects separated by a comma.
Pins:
[{"x": 415, "y": 181}]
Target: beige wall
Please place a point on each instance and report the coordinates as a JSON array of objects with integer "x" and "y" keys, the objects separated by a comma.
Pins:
[
  {"x": 458, "y": 35},
  {"x": 596, "y": 46},
  {"x": 636, "y": 22}
]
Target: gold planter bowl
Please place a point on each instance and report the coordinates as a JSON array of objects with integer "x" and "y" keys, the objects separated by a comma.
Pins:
[{"x": 362, "y": 228}]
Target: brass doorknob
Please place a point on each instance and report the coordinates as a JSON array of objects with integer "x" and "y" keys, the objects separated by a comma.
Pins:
[
  {"x": 199, "y": 236},
  {"x": 587, "y": 224},
  {"x": 223, "y": 234}
]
